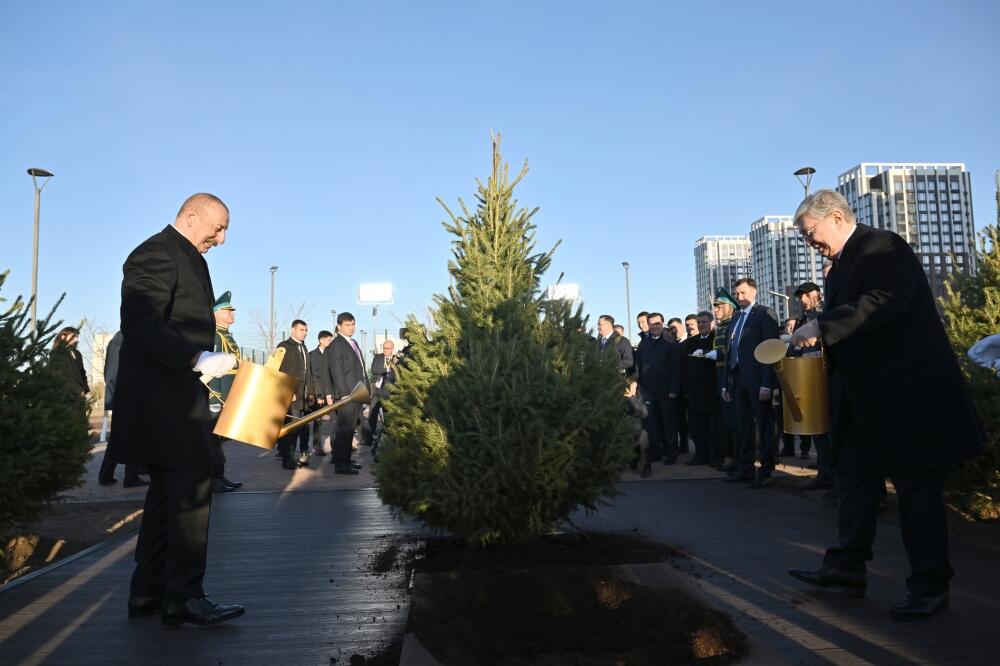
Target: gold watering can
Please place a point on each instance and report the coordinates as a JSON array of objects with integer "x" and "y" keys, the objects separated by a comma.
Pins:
[
  {"x": 258, "y": 402},
  {"x": 803, "y": 387}
]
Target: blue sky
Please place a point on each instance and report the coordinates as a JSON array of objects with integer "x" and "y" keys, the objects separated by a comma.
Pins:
[{"x": 329, "y": 128}]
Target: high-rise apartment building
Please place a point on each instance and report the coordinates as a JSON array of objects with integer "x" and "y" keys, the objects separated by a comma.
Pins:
[
  {"x": 718, "y": 262},
  {"x": 928, "y": 204},
  {"x": 781, "y": 262}
]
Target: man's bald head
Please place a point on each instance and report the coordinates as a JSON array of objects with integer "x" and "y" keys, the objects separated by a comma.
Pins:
[
  {"x": 199, "y": 202},
  {"x": 203, "y": 219}
]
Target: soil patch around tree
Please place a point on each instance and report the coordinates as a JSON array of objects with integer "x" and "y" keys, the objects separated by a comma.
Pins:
[
  {"x": 562, "y": 601},
  {"x": 65, "y": 530}
]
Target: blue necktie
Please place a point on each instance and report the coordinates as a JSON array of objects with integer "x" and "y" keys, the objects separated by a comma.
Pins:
[{"x": 734, "y": 341}]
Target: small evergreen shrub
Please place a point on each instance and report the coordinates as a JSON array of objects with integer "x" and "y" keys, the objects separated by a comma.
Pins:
[
  {"x": 504, "y": 420},
  {"x": 972, "y": 312},
  {"x": 44, "y": 440}
]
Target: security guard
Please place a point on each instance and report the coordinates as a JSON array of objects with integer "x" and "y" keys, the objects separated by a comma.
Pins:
[{"x": 225, "y": 315}]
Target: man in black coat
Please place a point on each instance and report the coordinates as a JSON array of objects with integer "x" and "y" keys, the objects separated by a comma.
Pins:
[
  {"x": 161, "y": 410},
  {"x": 902, "y": 407},
  {"x": 660, "y": 381},
  {"x": 296, "y": 364},
  {"x": 701, "y": 389},
  {"x": 319, "y": 366},
  {"x": 347, "y": 368},
  {"x": 106, "y": 475},
  {"x": 609, "y": 341},
  {"x": 750, "y": 385}
]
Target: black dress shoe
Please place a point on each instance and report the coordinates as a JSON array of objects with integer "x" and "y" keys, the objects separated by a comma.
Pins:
[
  {"x": 137, "y": 482},
  {"x": 344, "y": 469},
  {"x": 232, "y": 484},
  {"x": 202, "y": 612},
  {"x": 355, "y": 465},
  {"x": 738, "y": 478},
  {"x": 108, "y": 482},
  {"x": 853, "y": 584},
  {"x": 143, "y": 606},
  {"x": 919, "y": 607},
  {"x": 219, "y": 487},
  {"x": 288, "y": 463}
]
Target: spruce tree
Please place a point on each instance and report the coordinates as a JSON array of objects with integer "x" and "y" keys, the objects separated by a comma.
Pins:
[
  {"x": 44, "y": 431},
  {"x": 503, "y": 420},
  {"x": 972, "y": 311}
]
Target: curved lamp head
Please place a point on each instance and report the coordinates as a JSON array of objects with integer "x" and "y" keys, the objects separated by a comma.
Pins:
[{"x": 39, "y": 173}]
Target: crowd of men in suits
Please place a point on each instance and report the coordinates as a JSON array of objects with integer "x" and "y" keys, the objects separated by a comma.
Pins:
[
  {"x": 324, "y": 375},
  {"x": 701, "y": 385}
]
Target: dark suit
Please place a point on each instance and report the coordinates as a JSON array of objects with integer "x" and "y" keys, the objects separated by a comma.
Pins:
[
  {"x": 659, "y": 377},
  {"x": 701, "y": 390},
  {"x": 902, "y": 407},
  {"x": 755, "y": 417},
  {"x": 386, "y": 372},
  {"x": 319, "y": 366},
  {"x": 161, "y": 415},
  {"x": 619, "y": 345},
  {"x": 108, "y": 464},
  {"x": 346, "y": 370},
  {"x": 296, "y": 364}
]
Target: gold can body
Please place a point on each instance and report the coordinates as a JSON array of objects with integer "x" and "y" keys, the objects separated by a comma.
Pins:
[
  {"x": 807, "y": 381},
  {"x": 257, "y": 405}
]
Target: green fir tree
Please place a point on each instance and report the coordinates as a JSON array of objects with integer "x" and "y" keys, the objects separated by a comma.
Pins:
[
  {"x": 44, "y": 431},
  {"x": 972, "y": 312},
  {"x": 504, "y": 420}
]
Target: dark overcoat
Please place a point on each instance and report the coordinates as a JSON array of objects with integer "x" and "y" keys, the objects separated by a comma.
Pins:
[
  {"x": 899, "y": 378},
  {"x": 296, "y": 364},
  {"x": 700, "y": 385},
  {"x": 161, "y": 414}
]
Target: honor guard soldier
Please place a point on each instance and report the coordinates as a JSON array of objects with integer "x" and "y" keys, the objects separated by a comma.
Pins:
[{"x": 225, "y": 315}]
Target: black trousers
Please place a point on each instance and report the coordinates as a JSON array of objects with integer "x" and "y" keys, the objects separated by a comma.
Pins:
[
  {"x": 218, "y": 457},
  {"x": 286, "y": 445},
  {"x": 922, "y": 518},
  {"x": 661, "y": 424},
  {"x": 343, "y": 435},
  {"x": 108, "y": 465},
  {"x": 683, "y": 423},
  {"x": 172, "y": 547},
  {"x": 710, "y": 435},
  {"x": 756, "y": 425}
]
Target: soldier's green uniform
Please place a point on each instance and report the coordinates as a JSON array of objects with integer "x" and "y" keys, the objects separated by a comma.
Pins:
[
  {"x": 224, "y": 342},
  {"x": 220, "y": 386}
]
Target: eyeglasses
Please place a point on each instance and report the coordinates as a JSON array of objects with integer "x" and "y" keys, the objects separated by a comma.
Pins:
[{"x": 807, "y": 234}]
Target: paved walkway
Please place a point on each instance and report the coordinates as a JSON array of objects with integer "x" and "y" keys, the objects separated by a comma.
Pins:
[{"x": 300, "y": 562}]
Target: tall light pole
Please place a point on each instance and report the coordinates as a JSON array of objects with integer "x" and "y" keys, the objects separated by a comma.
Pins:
[
  {"x": 333, "y": 314},
  {"x": 805, "y": 175},
  {"x": 788, "y": 310},
  {"x": 270, "y": 342},
  {"x": 628, "y": 301},
  {"x": 46, "y": 176}
]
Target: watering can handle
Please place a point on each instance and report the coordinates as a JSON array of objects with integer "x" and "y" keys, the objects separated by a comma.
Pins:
[{"x": 277, "y": 356}]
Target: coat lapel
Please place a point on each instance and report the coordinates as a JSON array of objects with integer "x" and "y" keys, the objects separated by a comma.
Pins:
[{"x": 843, "y": 265}]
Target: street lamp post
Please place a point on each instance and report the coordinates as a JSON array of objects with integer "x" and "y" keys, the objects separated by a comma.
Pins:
[
  {"x": 805, "y": 175},
  {"x": 788, "y": 311},
  {"x": 628, "y": 301},
  {"x": 273, "y": 269},
  {"x": 46, "y": 176}
]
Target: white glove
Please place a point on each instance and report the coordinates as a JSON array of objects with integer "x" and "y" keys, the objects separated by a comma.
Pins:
[
  {"x": 986, "y": 352},
  {"x": 698, "y": 353},
  {"x": 214, "y": 364},
  {"x": 714, "y": 354}
]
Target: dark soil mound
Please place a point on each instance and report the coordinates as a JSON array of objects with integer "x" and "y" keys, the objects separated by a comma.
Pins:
[{"x": 561, "y": 612}]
